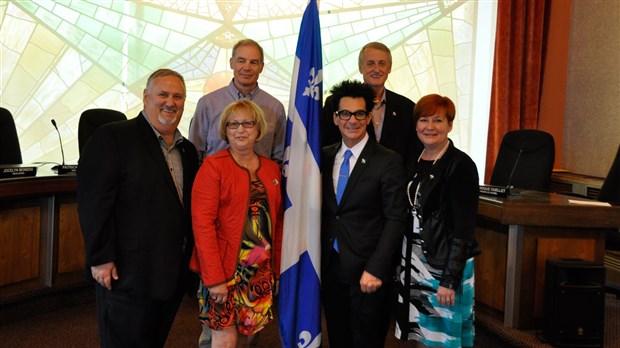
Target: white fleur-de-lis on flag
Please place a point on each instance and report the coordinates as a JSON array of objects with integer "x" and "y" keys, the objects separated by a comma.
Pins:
[{"x": 313, "y": 84}]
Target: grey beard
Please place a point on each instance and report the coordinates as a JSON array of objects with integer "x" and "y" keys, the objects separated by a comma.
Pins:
[{"x": 162, "y": 120}]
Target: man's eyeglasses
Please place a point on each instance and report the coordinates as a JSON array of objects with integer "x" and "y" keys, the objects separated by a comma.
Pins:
[
  {"x": 245, "y": 124},
  {"x": 345, "y": 115}
]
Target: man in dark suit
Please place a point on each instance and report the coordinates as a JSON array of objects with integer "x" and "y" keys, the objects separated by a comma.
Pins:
[
  {"x": 134, "y": 182},
  {"x": 364, "y": 215},
  {"x": 391, "y": 115}
]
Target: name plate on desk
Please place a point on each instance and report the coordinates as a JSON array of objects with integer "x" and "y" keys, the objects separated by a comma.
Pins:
[
  {"x": 492, "y": 190},
  {"x": 65, "y": 168},
  {"x": 17, "y": 170}
]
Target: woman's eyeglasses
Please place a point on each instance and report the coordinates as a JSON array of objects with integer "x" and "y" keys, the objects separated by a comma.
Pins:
[{"x": 244, "y": 124}]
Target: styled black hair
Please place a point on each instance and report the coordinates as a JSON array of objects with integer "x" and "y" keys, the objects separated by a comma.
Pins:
[{"x": 352, "y": 89}]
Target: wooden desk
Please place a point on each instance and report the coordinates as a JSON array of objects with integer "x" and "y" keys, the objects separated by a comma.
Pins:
[
  {"x": 41, "y": 244},
  {"x": 518, "y": 234}
]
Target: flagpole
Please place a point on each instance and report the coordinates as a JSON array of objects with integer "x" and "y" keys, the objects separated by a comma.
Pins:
[{"x": 299, "y": 305}]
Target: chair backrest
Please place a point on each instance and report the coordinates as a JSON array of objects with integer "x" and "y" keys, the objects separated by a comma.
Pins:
[
  {"x": 92, "y": 119},
  {"x": 610, "y": 191},
  {"x": 525, "y": 160},
  {"x": 10, "y": 151}
]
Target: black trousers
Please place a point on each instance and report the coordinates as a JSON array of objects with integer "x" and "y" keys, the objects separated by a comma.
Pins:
[
  {"x": 127, "y": 321},
  {"x": 353, "y": 318}
]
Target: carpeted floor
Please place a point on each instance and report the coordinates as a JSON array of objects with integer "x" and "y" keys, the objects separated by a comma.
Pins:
[
  {"x": 533, "y": 338},
  {"x": 74, "y": 325}
]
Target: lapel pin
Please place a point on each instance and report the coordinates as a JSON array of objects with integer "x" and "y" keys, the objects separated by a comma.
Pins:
[
  {"x": 393, "y": 113},
  {"x": 275, "y": 181},
  {"x": 363, "y": 161},
  {"x": 432, "y": 176}
]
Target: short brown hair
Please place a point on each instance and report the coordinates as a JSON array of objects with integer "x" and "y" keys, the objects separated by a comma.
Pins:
[
  {"x": 249, "y": 42},
  {"x": 430, "y": 104},
  {"x": 165, "y": 72},
  {"x": 376, "y": 45},
  {"x": 247, "y": 107}
]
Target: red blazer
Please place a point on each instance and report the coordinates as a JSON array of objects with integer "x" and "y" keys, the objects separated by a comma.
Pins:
[{"x": 220, "y": 199}]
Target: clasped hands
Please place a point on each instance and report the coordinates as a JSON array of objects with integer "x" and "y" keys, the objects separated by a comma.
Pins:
[{"x": 219, "y": 293}]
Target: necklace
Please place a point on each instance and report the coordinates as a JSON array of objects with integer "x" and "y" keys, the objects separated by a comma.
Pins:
[
  {"x": 243, "y": 164},
  {"x": 438, "y": 155},
  {"x": 414, "y": 203}
]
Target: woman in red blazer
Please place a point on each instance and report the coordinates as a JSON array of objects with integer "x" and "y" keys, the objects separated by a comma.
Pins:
[{"x": 237, "y": 212}]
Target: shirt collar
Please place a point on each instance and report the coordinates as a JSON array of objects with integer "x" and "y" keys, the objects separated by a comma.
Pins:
[
  {"x": 177, "y": 134},
  {"x": 356, "y": 150},
  {"x": 238, "y": 95}
]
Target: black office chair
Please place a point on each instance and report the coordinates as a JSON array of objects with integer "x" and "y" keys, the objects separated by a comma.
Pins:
[
  {"x": 525, "y": 160},
  {"x": 10, "y": 151},
  {"x": 92, "y": 119},
  {"x": 610, "y": 191}
]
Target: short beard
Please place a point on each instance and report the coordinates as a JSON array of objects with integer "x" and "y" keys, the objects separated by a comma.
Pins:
[{"x": 163, "y": 120}]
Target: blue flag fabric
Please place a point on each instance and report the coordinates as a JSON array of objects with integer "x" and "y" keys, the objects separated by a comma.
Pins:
[{"x": 299, "y": 303}]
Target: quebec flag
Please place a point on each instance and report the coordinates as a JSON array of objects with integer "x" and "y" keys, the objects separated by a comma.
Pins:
[{"x": 299, "y": 304}]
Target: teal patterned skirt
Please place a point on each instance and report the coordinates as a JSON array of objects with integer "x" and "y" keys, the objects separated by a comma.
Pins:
[{"x": 419, "y": 316}]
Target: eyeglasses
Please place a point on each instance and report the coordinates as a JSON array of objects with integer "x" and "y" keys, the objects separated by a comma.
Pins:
[
  {"x": 245, "y": 124},
  {"x": 345, "y": 115}
]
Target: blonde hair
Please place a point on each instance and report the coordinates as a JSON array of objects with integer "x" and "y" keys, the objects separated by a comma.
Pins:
[{"x": 243, "y": 107}]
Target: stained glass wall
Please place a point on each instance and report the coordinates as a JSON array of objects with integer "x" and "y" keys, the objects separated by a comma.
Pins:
[{"x": 59, "y": 58}]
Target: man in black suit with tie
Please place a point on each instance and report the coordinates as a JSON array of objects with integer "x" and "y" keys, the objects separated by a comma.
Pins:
[
  {"x": 364, "y": 213},
  {"x": 391, "y": 115},
  {"x": 134, "y": 181}
]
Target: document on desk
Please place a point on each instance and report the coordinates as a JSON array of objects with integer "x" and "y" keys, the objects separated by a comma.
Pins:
[{"x": 590, "y": 203}]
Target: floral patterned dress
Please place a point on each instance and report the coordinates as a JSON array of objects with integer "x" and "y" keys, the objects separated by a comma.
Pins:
[{"x": 248, "y": 306}]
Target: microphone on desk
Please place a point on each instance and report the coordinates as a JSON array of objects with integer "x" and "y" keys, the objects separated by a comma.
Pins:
[
  {"x": 515, "y": 165},
  {"x": 62, "y": 168},
  {"x": 62, "y": 151},
  {"x": 504, "y": 191}
]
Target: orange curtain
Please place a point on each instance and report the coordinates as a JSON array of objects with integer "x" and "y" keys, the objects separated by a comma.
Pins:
[{"x": 517, "y": 71}]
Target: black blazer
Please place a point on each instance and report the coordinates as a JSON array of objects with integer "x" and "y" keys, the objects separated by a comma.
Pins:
[
  {"x": 129, "y": 209},
  {"x": 449, "y": 204},
  {"x": 398, "y": 132},
  {"x": 371, "y": 218}
]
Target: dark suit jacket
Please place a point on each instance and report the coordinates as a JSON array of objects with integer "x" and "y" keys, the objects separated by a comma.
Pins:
[
  {"x": 129, "y": 209},
  {"x": 371, "y": 218},
  {"x": 398, "y": 132}
]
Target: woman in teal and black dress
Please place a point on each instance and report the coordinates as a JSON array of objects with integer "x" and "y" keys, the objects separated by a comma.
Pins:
[{"x": 436, "y": 271}]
